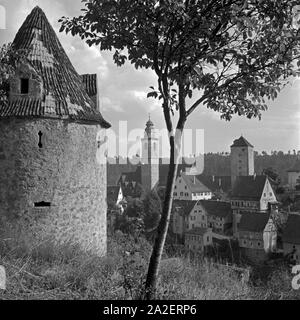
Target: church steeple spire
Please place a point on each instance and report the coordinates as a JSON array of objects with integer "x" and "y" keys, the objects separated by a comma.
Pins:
[
  {"x": 150, "y": 156},
  {"x": 149, "y": 126}
]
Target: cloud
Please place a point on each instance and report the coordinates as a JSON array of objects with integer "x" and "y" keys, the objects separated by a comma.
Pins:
[
  {"x": 123, "y": 91},
  {"x": 107, "y": 105},
  {"x": 140, "y": 95}
]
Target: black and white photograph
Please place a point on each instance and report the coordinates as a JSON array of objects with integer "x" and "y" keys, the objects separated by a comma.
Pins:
[{"x": 149, "y": 153}]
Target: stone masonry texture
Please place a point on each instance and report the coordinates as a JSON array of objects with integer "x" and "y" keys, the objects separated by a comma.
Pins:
[{"x": 63, "y": 173}]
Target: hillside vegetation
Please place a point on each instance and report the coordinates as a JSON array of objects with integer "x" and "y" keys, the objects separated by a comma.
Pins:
[
  {"x": 219, "y": 165},
  {"x": 65, "y": 272}
]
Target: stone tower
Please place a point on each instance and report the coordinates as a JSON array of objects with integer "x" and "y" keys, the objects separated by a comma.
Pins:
[
  {"x": 150, "y": 157},
  {"x": 52, "y": 177},
  {"x": 242, "y": 159}
]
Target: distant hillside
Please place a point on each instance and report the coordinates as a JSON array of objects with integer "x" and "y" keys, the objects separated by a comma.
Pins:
[
  {"x": 114, "y": 171},
  {"x": 217, "y": 164}
]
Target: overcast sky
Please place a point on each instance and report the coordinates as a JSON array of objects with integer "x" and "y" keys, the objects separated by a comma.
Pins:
[{"x": 123, "y": 90}]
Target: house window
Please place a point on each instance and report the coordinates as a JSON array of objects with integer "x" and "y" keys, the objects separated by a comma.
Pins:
[
  {"x": 258, "y": 243},
  {"x": 24, "y": 86},
  {"x": 175, "y": 194},
  {"x": 265, "y": 194},
  {"x": 270, "y": 194}
]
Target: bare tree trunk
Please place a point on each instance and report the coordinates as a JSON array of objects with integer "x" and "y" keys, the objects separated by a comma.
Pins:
[
  {"x": 153, "y": 269},
  {"x": 175, "y": 148}
]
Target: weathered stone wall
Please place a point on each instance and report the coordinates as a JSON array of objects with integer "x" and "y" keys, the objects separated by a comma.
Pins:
[
  {"x": 242, "y": 162},
  {"x": 64, "y": 172}
]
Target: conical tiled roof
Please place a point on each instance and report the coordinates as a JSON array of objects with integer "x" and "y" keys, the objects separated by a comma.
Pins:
[
  {"x": 241, "y": 142},
  {"x": 64, "y": 94}
]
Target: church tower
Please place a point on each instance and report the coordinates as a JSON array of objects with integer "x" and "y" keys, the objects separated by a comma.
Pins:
[
  {"x": 242, "y": 159},
  {"x": 150, "y": 157}
]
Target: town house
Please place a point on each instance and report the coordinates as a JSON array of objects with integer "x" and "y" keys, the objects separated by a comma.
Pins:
[
  {"x": 250, "y": 194},
  {"x": 188, "y": 187},
  {"x": 198, "y": 239},
  {"x": 257, "y": 235}
]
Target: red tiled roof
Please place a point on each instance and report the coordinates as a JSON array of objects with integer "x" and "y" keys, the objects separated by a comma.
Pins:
[
  {"x": 184, "y": 206},
  {"x": 253, "y": 222},
  {"x": 194, "y": 184},
  {"x": 241, "y": 142},
  {"x": 291, "y": 233},
  {"x": 248, "y": 188},
  {"x": 131, "y": 176},
  {"x": 217, "y": 208},
  {"x": 65, "y": 96},
  {"x": 216, "y": 183}
]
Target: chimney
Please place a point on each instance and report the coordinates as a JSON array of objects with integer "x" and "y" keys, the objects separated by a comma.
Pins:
[
  {"x": 254, "y": 176},
  {"x": 194, "y": 179},
  {"x": 220, "y": 182},
  {"x": 213, "y": 178}
]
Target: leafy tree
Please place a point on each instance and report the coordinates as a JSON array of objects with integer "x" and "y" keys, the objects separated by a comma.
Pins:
[
  {"x": 280, "y": 190},
  {"x": 280, "y": 153},
  {"x": 235, "y": 54},
  {"x": 131, "y": 221},
  {"x": 133, "y": 226},
  {"x": 273, "y": 175},
  {"x": 9, "y": 59},
  {"x": 135, "y": 208}
]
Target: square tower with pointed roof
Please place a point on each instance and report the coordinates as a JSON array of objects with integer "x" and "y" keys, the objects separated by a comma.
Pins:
[{"x": 242, "y": 159}]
